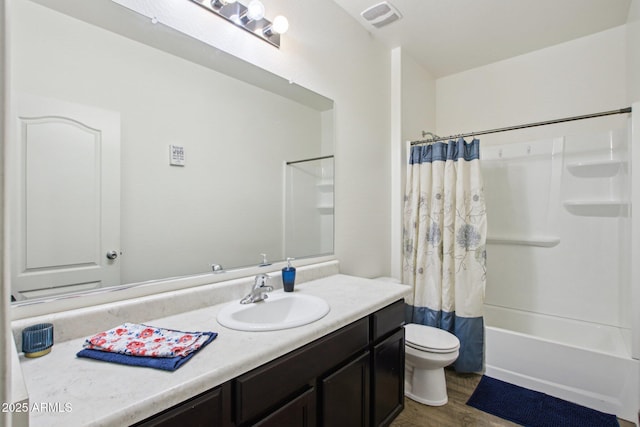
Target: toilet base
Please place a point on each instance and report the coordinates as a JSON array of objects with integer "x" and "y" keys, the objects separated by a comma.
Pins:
[
  {"x": 427, "y": 386},
  {"x": 426, "y": 401}
]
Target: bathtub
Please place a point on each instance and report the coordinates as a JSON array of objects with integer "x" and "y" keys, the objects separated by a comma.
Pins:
[{"x": 585, "y": 363}]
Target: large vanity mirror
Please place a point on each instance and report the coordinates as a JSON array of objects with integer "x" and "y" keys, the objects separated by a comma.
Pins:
[{"x": 137, "y": 153}]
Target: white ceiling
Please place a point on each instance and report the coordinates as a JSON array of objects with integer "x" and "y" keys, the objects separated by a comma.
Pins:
[{"x": 449, "y": 36}]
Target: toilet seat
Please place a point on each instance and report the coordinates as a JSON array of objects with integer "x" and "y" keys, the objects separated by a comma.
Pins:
[{"x": 430, "y": 339}]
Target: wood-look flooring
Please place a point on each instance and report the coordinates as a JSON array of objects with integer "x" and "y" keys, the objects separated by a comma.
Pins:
[{"x": 456, "y": 413}]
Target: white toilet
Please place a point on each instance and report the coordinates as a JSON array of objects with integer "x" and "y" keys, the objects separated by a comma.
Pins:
[{"x": 427, "y": 351}]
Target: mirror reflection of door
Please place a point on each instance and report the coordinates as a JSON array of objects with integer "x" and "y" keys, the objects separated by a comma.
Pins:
[{"x": 63, "y": 171}]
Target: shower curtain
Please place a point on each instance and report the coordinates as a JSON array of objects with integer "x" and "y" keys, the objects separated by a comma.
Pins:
[{"x": 444, "y": 232}]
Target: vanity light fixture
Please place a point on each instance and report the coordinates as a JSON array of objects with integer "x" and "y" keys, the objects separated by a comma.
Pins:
[
  {"x": 255, "y": 10},
  {"x": 219, "y": 3},
  {"x": 250, "y": 18}
]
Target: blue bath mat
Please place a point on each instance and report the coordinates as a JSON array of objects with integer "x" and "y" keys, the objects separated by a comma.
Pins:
[{"x": 534, "y": 409}]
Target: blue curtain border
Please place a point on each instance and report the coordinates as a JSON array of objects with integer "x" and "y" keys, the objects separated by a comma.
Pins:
[{"x": 443, "y": 151}]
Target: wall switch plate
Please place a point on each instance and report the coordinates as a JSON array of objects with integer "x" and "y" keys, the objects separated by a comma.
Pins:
[{"x": 176, "y": 155}]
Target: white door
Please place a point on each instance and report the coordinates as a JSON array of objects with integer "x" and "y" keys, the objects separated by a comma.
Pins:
[{"x": 63, "y": 170}]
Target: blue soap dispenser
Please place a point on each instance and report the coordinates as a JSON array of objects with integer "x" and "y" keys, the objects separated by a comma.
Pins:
[{"x": 288, "y": 276}]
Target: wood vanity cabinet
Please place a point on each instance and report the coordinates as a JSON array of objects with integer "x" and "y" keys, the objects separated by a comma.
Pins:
[
  {"x": 387, "y": 363},
  {"x": 388, "y": 385},
  {"x": 211, "y": 408},
  {"x": 300, "y": 411},
  {"x": 346, "y": 394},
  {"x": 351, "y": 377}
]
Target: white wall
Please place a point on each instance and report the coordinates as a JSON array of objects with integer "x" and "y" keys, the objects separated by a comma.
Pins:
[
  {"x": 418, "y": 100},
  {"x": 414, "y": 111},
  {"x": 633, "y": 82},
  {"x": 5, "y": 330},
  {"x": 355, "y": 75},
  {"x": 583, "y": 76},
  {"x": 633, "y": 52}
]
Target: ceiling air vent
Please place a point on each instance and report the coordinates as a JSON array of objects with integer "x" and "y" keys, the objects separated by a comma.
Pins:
[{"x": 381, "y": 14}]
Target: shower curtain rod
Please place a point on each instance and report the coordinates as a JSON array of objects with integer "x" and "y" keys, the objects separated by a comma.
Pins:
[
  {"x": 436, "y": 138},
  {"x": 309, "y": 160}
]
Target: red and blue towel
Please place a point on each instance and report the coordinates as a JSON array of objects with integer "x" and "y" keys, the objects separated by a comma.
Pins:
[{"x": 144, "y": 345}]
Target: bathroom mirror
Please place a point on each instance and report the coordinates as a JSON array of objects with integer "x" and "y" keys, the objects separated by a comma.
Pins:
[{"x": 219, "y": 161}]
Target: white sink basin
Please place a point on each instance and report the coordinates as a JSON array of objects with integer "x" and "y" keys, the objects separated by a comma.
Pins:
[{"x": 281, "y": 310}]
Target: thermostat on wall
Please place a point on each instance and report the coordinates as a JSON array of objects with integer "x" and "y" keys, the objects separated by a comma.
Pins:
[{"x": 176, "y": 155}]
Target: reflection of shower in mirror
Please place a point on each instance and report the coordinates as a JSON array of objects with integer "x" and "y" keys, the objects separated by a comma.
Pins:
[{"x": 309, "y": 207}]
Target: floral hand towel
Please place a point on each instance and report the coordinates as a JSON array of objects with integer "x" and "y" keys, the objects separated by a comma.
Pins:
[
  {"x": 142, "y": 340},
  {"x": 135, "y": 339},
  {"x": 147, "y": 346}
]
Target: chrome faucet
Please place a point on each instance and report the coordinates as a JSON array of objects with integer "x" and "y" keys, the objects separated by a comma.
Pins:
[{"x": 259, "y": 290}]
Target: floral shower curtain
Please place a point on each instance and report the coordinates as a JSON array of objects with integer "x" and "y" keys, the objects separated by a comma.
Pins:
[{"x": 445, "y": 229}]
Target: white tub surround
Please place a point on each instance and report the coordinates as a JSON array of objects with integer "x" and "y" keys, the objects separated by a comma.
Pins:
[
  {"x": 559, "y": 293},
  {"x": 105, "y": 394}
]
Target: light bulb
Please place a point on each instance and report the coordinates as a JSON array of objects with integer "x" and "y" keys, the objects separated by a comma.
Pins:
[
  {"x": 255, "y": 10},
  {"x": 280, "y": 24}
]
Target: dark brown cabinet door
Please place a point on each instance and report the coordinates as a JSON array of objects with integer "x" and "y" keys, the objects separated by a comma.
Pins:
[
  {"x": 345, "y": 395},
  {"x": 388, "y": 379},
  {"x": 300, "y": 412},
  {"x": 208, "y": 409}
]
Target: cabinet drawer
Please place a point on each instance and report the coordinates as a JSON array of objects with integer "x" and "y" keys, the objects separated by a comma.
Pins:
[
  {"x": 263, "y": 389},
  {"x": 387, "y": 319}
]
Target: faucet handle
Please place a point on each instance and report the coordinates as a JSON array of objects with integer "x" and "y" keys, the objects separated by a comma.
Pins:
[
  {"x": 261, "y": 281},
  {"x": 264, "y": 261}
]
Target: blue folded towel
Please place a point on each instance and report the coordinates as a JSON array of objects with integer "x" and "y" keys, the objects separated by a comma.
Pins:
[{"x": 164, "y": 363}]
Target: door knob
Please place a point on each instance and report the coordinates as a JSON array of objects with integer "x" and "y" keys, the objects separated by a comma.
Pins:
[{"x": 112, "y": 254}]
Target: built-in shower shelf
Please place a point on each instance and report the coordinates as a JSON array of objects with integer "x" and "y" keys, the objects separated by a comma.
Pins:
[
  {"x": 604, "y": 208},
  {"x": 325, "y": 185},
  {"x": 595, "y": 169},
  {"x": 541, "y": 241}
]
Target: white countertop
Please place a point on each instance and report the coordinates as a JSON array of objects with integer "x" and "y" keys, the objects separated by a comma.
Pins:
[{"x": 84, "y": 392}]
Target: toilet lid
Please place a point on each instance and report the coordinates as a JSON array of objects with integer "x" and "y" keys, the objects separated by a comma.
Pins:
[{"x": 428, "y": 338}]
